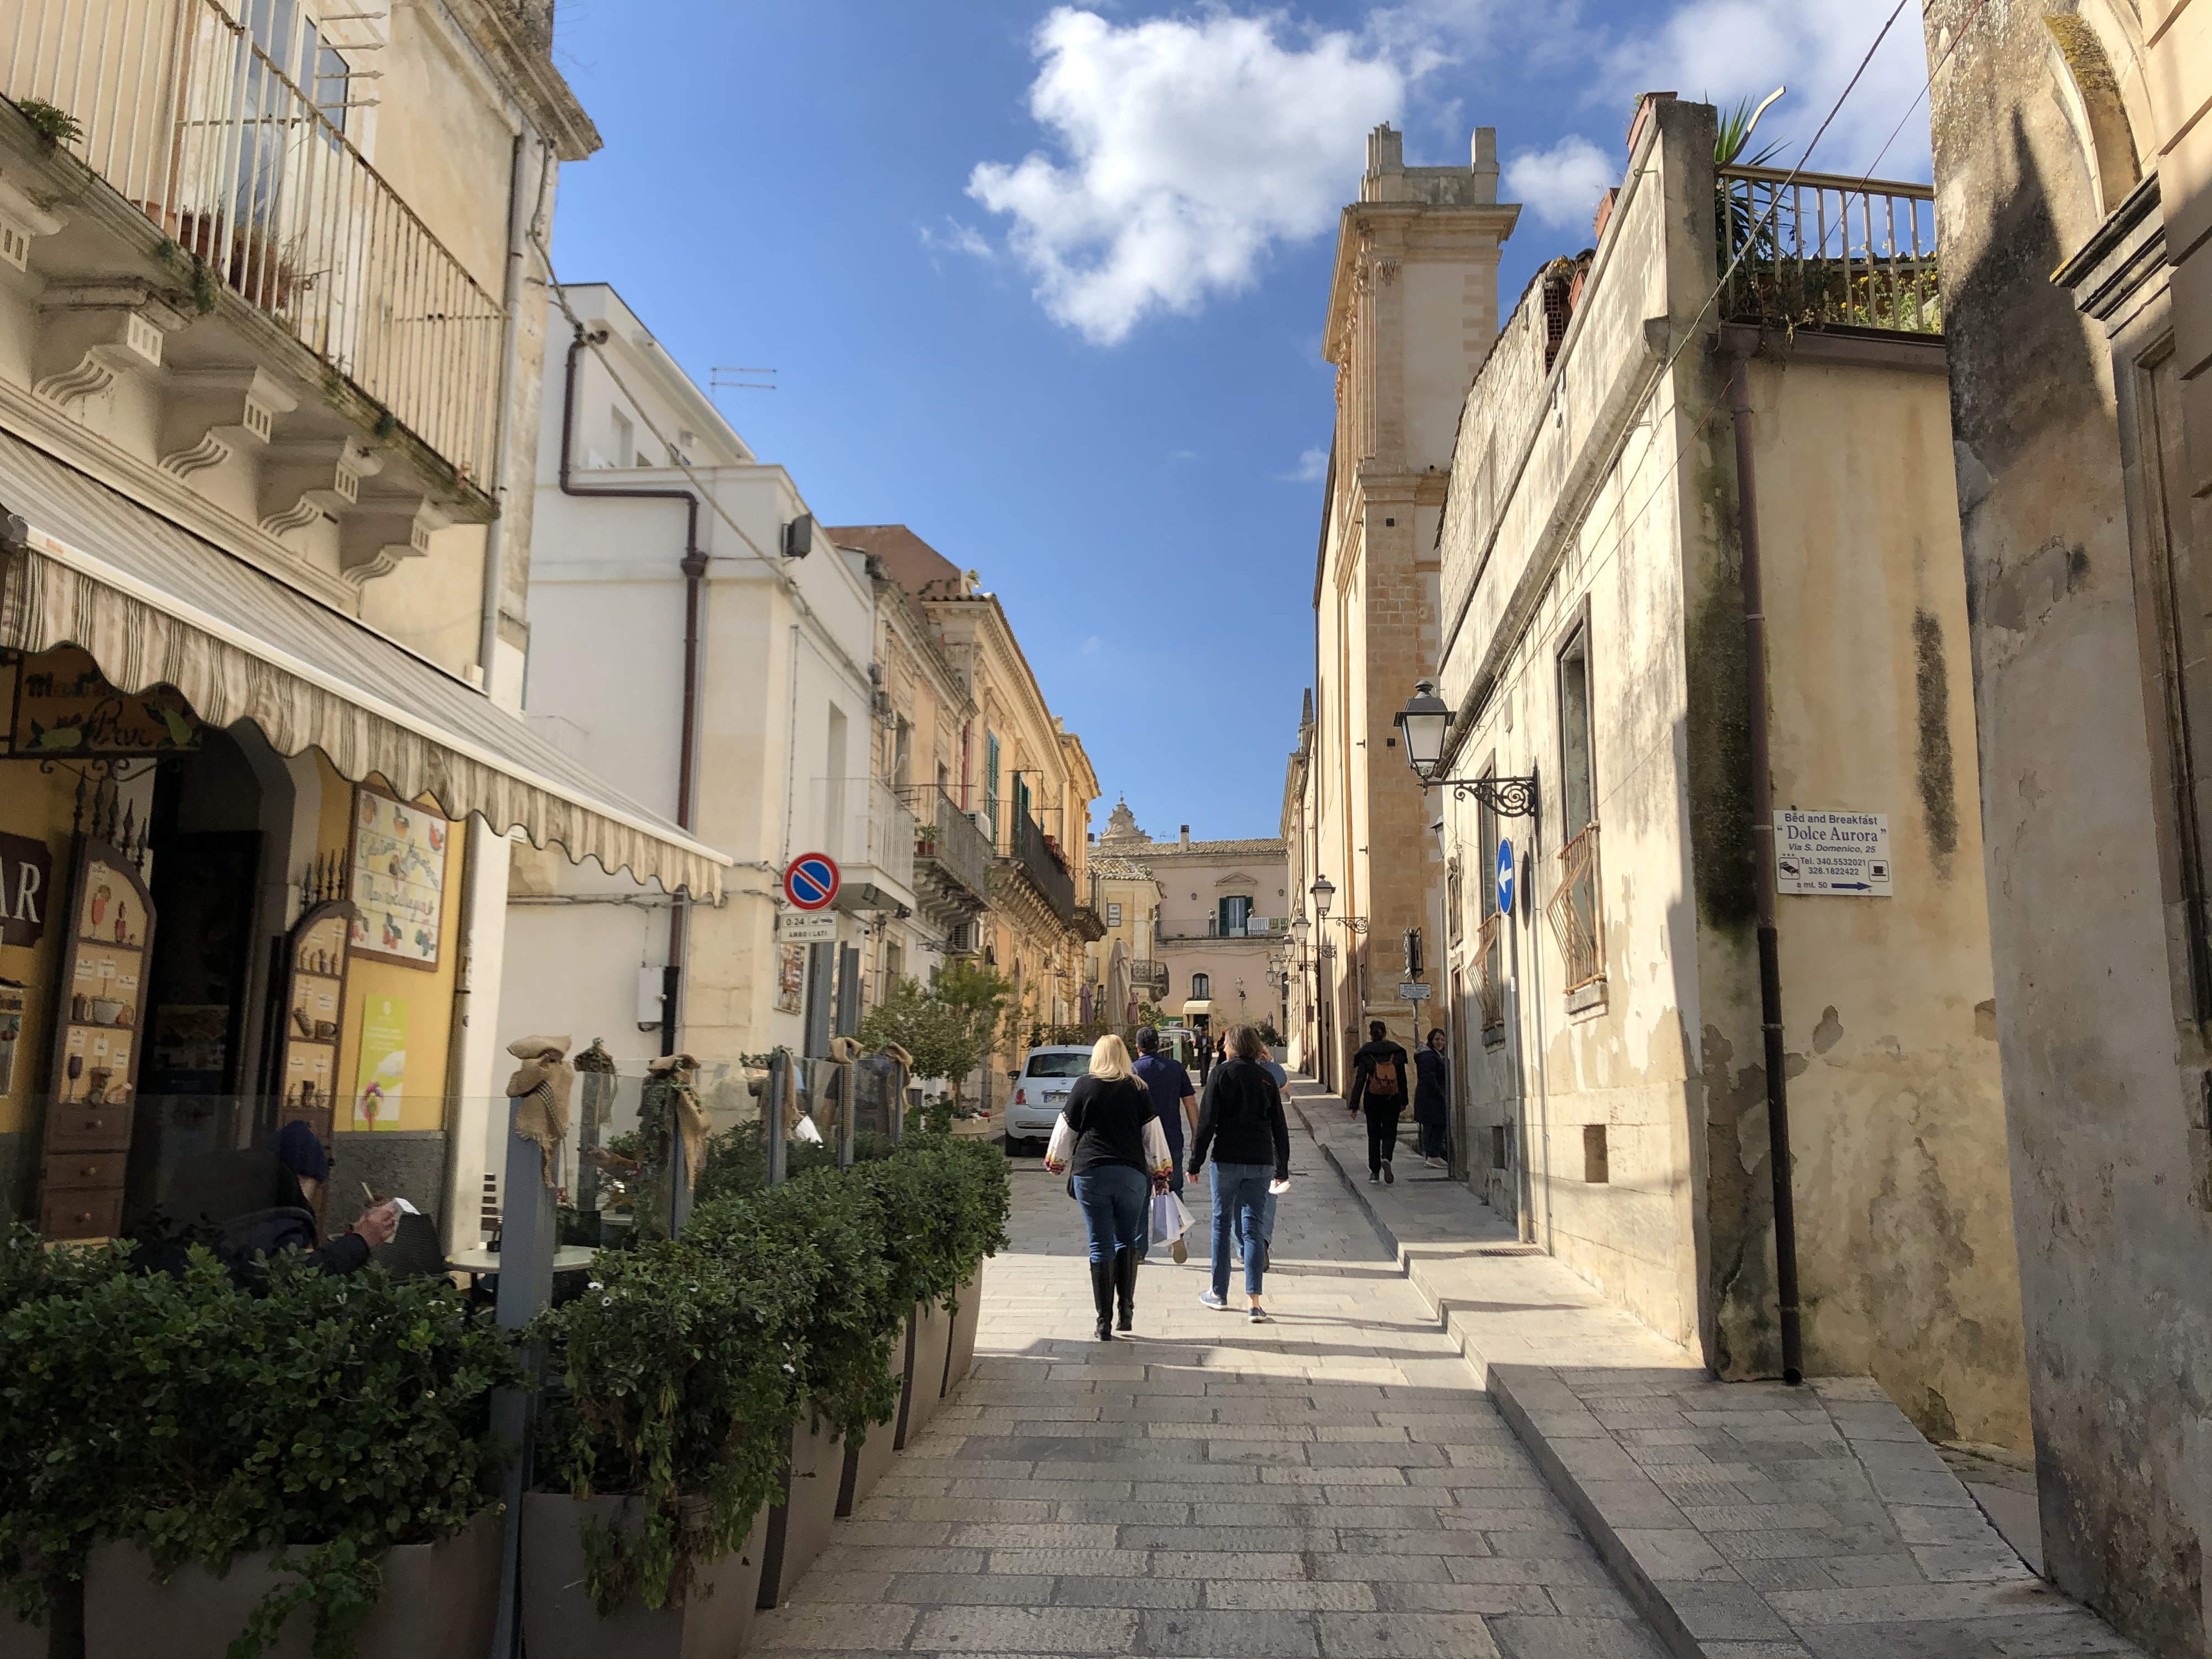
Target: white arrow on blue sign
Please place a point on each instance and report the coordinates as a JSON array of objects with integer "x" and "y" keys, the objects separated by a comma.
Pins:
[{"x": 1506, "y": 876}]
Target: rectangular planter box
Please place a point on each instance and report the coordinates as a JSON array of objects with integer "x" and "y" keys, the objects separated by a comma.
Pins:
[
  {"x": 929, "y": 1338},
  {"x": 441, "y": 1601},
  {"x": 866, "y": 1463},
  {"x": 798, "y": 1527},
  {"x": 559, "y": 1620},
  {"x": 961, "y": 1359}
]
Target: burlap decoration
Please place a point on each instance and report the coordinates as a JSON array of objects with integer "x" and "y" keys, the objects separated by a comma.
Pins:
[
  {"x": 671, "y": 1103},
  {"x": 539, "y": 1089}
]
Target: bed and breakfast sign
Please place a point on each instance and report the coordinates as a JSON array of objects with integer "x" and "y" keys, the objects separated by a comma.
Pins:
[{"x": 1843, "y": 854}]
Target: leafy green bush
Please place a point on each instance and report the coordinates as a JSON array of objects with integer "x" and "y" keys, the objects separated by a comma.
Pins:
[
  {"x": 687, "y": 1362},
  {"x": 324, "y": 1418}
]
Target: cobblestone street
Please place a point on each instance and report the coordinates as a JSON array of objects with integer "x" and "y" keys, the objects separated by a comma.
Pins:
[{"x": 1331, "y": 1484}]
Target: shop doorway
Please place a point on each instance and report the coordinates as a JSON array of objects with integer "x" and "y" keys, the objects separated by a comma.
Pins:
[{"x": 200, "y": 1069}]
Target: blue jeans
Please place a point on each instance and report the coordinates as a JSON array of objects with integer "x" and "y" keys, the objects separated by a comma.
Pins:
[
  {"x": 1116, "y": 1202},
  {"x": 1240, "y": 1198}
]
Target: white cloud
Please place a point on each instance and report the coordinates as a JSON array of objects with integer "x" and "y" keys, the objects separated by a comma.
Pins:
[
  {"x": 1728, "y": 49},
  {"x": 1189, "y": 148},
  {"x": 1312, "y": 467},
  {"x": 1561, "y": 186},
  {"x": 957, "y": 238}
]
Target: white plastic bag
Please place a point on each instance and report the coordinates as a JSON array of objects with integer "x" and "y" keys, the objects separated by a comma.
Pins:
[
  {"x": 806, "y": 1130},
  {"x": 1060, "y": 1151},
  {"x": 1170, "y": 1220}
]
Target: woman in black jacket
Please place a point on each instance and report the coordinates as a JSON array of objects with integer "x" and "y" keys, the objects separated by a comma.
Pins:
[
  {"x": 1110, "y": 1138},
  {"x": 1241, "y": 1121},
  {"x": 1432, "y": 1101}
]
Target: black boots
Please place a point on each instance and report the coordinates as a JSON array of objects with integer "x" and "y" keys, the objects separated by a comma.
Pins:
[
  {"x": 1125, "y": 1282},
  {"x": 1101, "y": 1295}
]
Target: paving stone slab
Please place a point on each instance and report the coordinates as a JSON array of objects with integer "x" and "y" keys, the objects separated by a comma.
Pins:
[{"x": 1742, "y": 1521}]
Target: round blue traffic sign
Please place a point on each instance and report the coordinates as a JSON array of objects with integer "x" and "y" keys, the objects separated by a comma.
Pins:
[
  {"x": 1506, "y": 876},
  {"x": 811, "y": 881}
]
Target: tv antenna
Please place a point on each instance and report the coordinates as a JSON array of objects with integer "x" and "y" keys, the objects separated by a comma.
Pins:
[{"x": 720, "y": 381}]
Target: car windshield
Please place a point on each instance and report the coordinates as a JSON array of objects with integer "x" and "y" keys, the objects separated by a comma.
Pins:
[{"x": 1074, "y": 1065}]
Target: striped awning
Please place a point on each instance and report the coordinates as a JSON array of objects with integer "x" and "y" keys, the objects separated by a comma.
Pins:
[{"x": 156, "y": 605}]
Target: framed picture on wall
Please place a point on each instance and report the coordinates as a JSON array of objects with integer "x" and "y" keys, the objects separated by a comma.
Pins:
[{"x": 397, "y": 880}]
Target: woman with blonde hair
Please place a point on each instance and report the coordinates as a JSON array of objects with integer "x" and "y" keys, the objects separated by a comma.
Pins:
[{"x": 1109, "y": 1138}]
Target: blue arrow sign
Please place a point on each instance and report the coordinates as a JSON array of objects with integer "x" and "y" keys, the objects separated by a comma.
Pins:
[{"x": 1506, "y": 876}]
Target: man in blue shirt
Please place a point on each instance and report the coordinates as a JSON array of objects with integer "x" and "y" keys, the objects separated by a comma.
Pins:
[{"x": 1173, "y": 1099}]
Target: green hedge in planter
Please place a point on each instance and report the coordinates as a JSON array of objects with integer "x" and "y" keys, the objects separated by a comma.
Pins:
[
  {"x": 324, "y": 1418},
  {"x": 687, "y": 1360}
]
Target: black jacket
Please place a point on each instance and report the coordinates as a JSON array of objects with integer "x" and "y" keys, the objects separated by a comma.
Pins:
[
  {"x": 1362, "y": 1067},
  {"x": 1432, "y": 1092},
  {"x": 1240, "y": 1118}
]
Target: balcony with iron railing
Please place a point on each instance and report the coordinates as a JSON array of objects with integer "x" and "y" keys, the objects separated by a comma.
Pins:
[
  {"x": 191, "y": 111},
  {"x": 1029, "y": 850},
  {"x": 863, "y": 824},
  {"x": 948, "y": 845},
  {"x": 1815, "y": 251}
]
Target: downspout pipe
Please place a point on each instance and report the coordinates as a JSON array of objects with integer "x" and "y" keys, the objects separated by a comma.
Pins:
[
  {"x": 1763, "y": 877},
  {"x": 694, "y": 566}
]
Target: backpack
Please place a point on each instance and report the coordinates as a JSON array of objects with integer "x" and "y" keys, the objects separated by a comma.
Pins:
[{"x": 1383, "y": 1082}]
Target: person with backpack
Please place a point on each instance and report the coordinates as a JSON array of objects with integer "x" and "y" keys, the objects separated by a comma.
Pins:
[
  {"x": 1240, "y": 1120},
  {"x": 1379, "y": 1072}
]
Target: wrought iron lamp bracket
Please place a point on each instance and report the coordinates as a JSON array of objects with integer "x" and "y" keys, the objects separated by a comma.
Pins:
[{"x": 1509, "y": 798}]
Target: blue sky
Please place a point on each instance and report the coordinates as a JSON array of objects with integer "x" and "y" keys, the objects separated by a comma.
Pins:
[{"x": 1047, "y": 283}]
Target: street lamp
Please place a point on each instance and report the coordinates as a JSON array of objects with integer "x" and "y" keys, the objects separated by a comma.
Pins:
[
  {"x": 1299, "y": 929},
  {"x": 1425, "y": 719},
  {"x": 1324, "y": 895}
]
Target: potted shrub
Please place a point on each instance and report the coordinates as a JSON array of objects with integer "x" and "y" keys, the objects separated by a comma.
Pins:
[
  {"x": 828, "y": 1227},
  {"x": 944, "y": 1201},
  {"x": 681, "y": 1378},
  {"x": 226, "y": 1468}
]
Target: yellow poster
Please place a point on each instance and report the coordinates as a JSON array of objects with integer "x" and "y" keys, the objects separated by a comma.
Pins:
[{"x": 377, "y": 1087}]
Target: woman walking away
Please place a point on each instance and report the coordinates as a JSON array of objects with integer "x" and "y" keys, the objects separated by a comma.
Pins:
[
  {"x": 1432, "y": 1096},
  {"x": 1110, "y": 1137},
  {"x": 1240, "y": 1120}
]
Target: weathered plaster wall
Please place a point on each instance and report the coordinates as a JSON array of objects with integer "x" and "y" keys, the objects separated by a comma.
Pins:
[
  {"x": 1904, "y": 1211},
  {"x": 2104, "y": 1073}
]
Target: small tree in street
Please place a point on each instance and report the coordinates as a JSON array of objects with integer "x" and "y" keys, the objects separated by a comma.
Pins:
[{"x": 949, "y": 1027}]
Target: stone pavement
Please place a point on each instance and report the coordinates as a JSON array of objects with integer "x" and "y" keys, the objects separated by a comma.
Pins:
[
  {"x": 1745, "y": 1520},
  {"x": 1333, "y": 1484}
]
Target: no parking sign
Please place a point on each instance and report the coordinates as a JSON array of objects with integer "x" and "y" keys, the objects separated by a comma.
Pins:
[{"x": 810, "y": 880}]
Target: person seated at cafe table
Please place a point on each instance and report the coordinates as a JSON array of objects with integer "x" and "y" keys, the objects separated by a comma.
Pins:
[{"x": 255, "y": 1203}]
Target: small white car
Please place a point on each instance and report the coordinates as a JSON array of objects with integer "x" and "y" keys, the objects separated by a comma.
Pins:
[{"x": 1046, "y": 1077}]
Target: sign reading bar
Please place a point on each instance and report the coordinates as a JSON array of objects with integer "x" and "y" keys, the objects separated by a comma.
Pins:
[
  {"x": 27, "y": 875},
  {"x": 1845, "y": 854}
]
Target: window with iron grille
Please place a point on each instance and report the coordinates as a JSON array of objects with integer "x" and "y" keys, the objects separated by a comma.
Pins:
[{"x": 1574, "y": 905}]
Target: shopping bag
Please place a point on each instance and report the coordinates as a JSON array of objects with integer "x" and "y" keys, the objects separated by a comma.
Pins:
[
  {"x": 1170, "y": 1220},
  {"x": 1059, "y": 1152}
]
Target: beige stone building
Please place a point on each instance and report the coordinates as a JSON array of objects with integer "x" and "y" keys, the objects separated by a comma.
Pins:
[
  {"x": 2073, "y": 194},
  {"x": 1126, "y": 897},
  {"x": 1222, "y": 922},
  {"x": 1024, "y": 777},
  {"x": 272, "y": 342},
  {"x": 1413, "y": 311},
  {"x": 1613, "y": 1091}
]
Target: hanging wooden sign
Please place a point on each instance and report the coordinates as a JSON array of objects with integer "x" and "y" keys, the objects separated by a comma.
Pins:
[{"x": 65, "y": 707}]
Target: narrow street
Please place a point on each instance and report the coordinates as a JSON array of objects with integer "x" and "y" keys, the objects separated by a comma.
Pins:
[{"x": 1331, "y": 1484}]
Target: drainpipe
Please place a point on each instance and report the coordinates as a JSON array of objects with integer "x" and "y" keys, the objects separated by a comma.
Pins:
[
  {"x": 1762, "y": 836},
  {"x": 693, "y": 567}
]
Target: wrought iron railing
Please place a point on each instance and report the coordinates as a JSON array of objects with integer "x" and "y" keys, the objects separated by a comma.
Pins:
[
  {"x": 1574, "y": 911},
  {"x": 1148, "y": 974},
  {"x": 1037, "y": 861},
  {"x": 947, "y": 836},
  {"x": 1812, "y": 250},
  {"x": 187, "y": 109}
]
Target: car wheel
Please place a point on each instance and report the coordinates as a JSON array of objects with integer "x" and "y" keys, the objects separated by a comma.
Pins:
[{"x": 1009, "y": 1144}]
